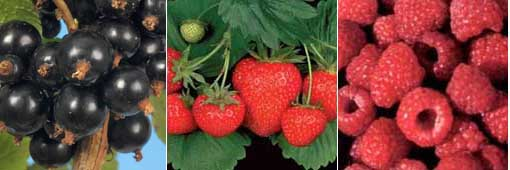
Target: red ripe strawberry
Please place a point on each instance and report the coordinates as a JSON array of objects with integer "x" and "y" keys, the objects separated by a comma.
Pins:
[
  {"x": 496, "y": 120},
  {"x": 396, "y": 73},
  {"x": 218, "y": 120},
  {"x": 351, "y": 38},
  {"x": 267, "y": 88},
  {"x": 302, "y": 125},
  {"x": 323, "y": 91},
  {"x": 415, "y": 17},
  {"x": 381, "y": 146},
  {"x": 409, "y": 164},
  {"x": 360, "y": 11},
  {"x": 471, "y": 91},
  {"x": 470, "y": 17},
  {"x": 425, "y": 117},
  {"x": 464, "y": 161},
  {"x": 359, "y": 70},
  {"x": 490, "y": 54},
  {"x": 172, "y": 86},
  {"x": 179, "y": 118},
  {"x": 464, "y": 137}
]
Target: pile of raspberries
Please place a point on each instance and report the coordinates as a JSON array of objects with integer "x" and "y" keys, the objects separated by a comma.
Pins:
[{"x": 423, "y": 84}]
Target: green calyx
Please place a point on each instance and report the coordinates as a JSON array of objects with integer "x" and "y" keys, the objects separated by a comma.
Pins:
[
  {"x": 219, "y": 96},
  {"x": 327, "y": 64},
  {"x": 192, "y": 31},
  {"x": 278, "y": 55},
  {"x": 185, "y": 70}
]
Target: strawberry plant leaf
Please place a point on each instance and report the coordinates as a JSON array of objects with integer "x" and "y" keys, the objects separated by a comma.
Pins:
[
  {"x": 201, "y": 151},
  {"x": 11, "y": 156},
  {"x": 319, "y": 154},
  {"x": 19, "y": 10},
  {"x": 159, "y": 115}
]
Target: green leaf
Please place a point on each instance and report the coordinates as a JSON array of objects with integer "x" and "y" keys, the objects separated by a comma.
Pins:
[
  {"x": 111, "y": 162},
  {"x": 19, "y": 10},
  {"x": 159, "y": 115},
  {"x": 319, "y": 154},
  {"x": 11, "y": 156},
  {"x": 201, "y": 151}
]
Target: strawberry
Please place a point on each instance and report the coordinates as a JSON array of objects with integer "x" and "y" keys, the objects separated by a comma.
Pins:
[
  {"x": 267, "y": 87},
  {"x": 172, "y": 86},
  {"x": 302, "y": 125},
  {"x": 323, "y": 91},
  {"x": 179, "y": 118},
  {"x": 192, "y": 31},
  {"x": 217, "y": 118}
]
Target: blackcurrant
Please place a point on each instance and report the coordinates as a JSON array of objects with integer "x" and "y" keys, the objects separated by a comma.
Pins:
[
  {"x": 156, "y": 71},
  {"x": 126, "y": 91},
  {"x": 23, "y": 107},
  {"x": 149, "y": 46},
  {"x": 11, "y": 69},
  {"x": 19, "y": 38},
  {"x": 84, "y": 56},
  {"x": 117, "y": 8},
  {"x": 43, "y": 66},
  {"x": 50, "y": 25},
  {"x": 45, "y": 5},
  {"x": 84, "y": 11},
  {"x": 153, "y": 15},
  {"x": 129, "y": 134},
  {"x": 124, "y": 37},
  {"x": 48, "y": 152},
  {"x": 79, "y": 112}
]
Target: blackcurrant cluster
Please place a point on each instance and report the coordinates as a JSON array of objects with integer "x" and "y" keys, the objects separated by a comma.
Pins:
[{"x": 61, "y": 92}]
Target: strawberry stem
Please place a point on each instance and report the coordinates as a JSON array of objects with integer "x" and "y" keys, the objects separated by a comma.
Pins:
[
  {"x": 226, "y": 37},
  {"x": 208, "y": 9},
  {"x": 325, "y": 44},
  {"x": 310, "y": 78}
]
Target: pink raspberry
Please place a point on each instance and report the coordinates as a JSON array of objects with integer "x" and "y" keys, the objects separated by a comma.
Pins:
[
  {"x": 493, "y": 158},
  {"x": 490, "y": 54},
  {"x": 351, "y": 38},
  {"x": 470, "y": 17},
  {"x": 464, "y": 161},
  {"x": 496, "y": 120},
  {"x": 356, "y": 110},
  {"x": 409, "y": 164},
  {"x": 358, "y": 71},
  {"x": 464, "y": 137},
  {"x": 362, "y": 12},
  {"x": 385, "y": 30},
  {"x": 415, "y": 17},
  {"x": 446, "y": 54}
]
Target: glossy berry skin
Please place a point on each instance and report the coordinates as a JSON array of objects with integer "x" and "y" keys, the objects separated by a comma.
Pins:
[
  {"x": 153, "y": 16},
  {"x": 215, "y": 121},
  {"x": 179, "y": 117},
  {"x": 43, "y": 66},
  {"x": 50, "y": 25},
  {"x": 83, "y": 11},
  {"x": 301, "y": 126},
  {"x": 84, "y": 47},
  {"x": 156, "y": 67},
  {"x": 125, "y": 88},
  {"x": 172, "y": 56},
  {"x": 323, "y": 91},
  {"x": 12, "y": 68},
  {"x": 149, "y": 46},
  {"x": 129, "y": 134},
  {"x": 79, "y": 110},
  {"x": 48, "y": 152},
  {"x": 122, "y": 34},
  {"x": 19, "y": 38},
  {"x": 23, "y": 108},
  {"x": 117, "y": 8}
]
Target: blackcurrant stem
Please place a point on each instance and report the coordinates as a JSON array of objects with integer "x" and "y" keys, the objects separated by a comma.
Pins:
[
  {"x": 310, "y": 78},
  {"x": 3, "y": 128},
  {"x": 6, "y": 67},
  {"x": 92, "y": 150},
  {"x": 150, "y": 22},
  {"x": 118, "y": 116},
  {"x": 58, "y": 131},
  {"x": 157, "y": 86},
  {"x": 116, "y": 59},
  {"x": 38, "y": 4},
  {"x": 82, "y": 68},
  {"x": 138, "y": 155},
  {"x": 69, "y": 138},
  {"x": 17, "y": 140},
  {"x": 66, "y": 15},
  {"x": 43, "y": 70},
  {"x": 146, "y": 106},
  {"x": 119, "y": 4}
]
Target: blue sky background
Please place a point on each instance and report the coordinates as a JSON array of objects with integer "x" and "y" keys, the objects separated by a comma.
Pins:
[{"x": 154, "y": 152}]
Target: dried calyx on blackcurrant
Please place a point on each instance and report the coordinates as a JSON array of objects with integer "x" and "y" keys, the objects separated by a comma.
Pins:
[
  {"x": 129, "y": 134},
  {"x": 149, "y": 46},
  {"x": 43, "y": 66},
  {"x": 153, "y": 15},
  {"x": 117, "y": 8},
  {"x": 126, "y": 91},
  {"x": 23, "y": 109},
  {"x": 11, "y": 69},
  {"x": 123, "y": 35},
  {"x": 19, "y": 38},
  {"x": 79, "y": 112},
  {"x": 48, "y": 152},
  {"x": 156, "y": 71},
  {"x": 84, "y": 56}
]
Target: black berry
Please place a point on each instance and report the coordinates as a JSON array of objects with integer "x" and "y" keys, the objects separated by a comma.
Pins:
[
  {"x": 117, "y": 8},
  {"x": 153, "y": 16},
  {"x": 48, "y": 152},
  {"x": 50, "y": 25},
  {"x": 19, "y": 38},
  {"x": 121, "y": 33},
  {"x": 149, "y": 47},
  {"x": 129, "y": 134},
  {"x": 11, "y": 69},
  {"x": 43, "y": 66}
]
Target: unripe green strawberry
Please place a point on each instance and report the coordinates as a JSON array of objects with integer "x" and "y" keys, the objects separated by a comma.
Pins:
[
  {"x": 267, "y": 88},
  {"x": 323, "y": 91},
  {"x": 218, "y": 121},
  {"x": 192, "y": 31},
  {"x": 302, "y": 125},
  {"x": 179, "y": 118}
]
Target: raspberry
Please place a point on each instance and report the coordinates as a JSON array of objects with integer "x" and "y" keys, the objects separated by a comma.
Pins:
[
  {"x": 357, "y": 166},
  {"x": 446, "y": 57},
  {"x": 409, "y": 164},
  {"x": 388, "y": 4},
  {"x": 362, "y": 12},
  {"x": 172, "y": 86},
  {"x": 425, "y": 117},
  {"x": 385, "y": 30},
  {"x": 496, "y": 121},
  {"x": 489, "y": 54},
  {"x": 464, "y": 137},
  {"x": 415, "y": 17},
  {"x": 464, "y": 161},
  {"x": 470, "y": 90},
  {"x": 355, "y": 110},
  {"x": 470, "y": 17},
  {"x": 493, "y": 158},
  {"x": 397, "y": 72},
  {"x": 359, "y": 70},
  {"x": 503, "y": 4},
  {"x": 381, "y": 146},
  {"x": 351, "y": 38}
]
